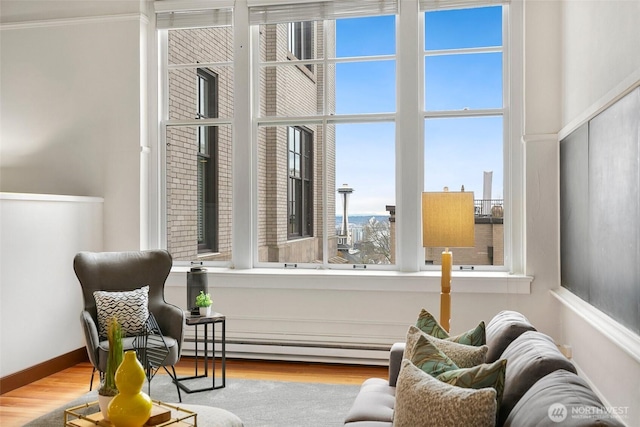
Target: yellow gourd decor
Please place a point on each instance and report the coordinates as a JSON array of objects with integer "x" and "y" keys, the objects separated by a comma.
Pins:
[{"x": 131, "y": 407}]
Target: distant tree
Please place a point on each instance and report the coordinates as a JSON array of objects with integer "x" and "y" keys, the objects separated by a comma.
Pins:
[{"x": 375, "y": 247}]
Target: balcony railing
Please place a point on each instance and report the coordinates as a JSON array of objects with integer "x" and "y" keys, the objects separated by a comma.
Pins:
[{"x": 489, "y": 207}]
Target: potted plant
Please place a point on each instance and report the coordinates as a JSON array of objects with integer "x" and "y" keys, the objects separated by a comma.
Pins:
[
  {"x": 203, "y": 302},
  {"x": 108, "y": 389}
]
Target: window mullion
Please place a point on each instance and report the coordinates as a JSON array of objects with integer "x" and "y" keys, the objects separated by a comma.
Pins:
[
  {"x": 409, "y": 146},
  {"x": 163, "y": 114},
  {"x": 324, "y": 182},
  {"x": 198, "y": 122},
  {"x": 329, "y": 118},
  {"x": 326, "y": 61},
  {"x": 243, "y": 182},
  {"x": 465, "y": 51},
  {"x": 515, "y": 233},
  {"x": 199, "y": 65},
  {"x": 486, "y": 112}
]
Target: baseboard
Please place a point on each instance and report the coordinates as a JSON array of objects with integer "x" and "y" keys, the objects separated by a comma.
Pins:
[{"x": 44, "y": 369}]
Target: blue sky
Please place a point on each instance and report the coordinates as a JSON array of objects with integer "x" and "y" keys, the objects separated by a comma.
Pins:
[{"x": 457, "y": 151}]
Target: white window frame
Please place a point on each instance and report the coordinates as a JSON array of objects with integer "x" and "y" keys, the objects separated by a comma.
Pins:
[
  {"x": 327, "y": 119},
  {"x": 193, "y": 15},
  {"x": 503, "y": 112},
  {"x": 409, "y": 132}
]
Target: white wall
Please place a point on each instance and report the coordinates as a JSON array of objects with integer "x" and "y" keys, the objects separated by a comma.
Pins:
[
  {"x": 600, "y": 44},
  {"x": 541, "y": 124},
  {"x": 339, "y": 307},
  {"x": 71, "y": 114},
  {"x": 542, "y": 68},
  {"x": 600, "y": 63},
  {"x": 40, "y": 296}
]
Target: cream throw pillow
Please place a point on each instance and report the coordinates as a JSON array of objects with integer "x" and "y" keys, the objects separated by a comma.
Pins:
[{"x": 423, "y": 401}]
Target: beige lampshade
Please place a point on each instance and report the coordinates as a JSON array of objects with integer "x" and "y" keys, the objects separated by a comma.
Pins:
[{"x": 448, "y": 219}]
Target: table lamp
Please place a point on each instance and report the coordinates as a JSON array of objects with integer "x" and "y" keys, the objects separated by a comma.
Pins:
[{"x": 448, "y": 221}]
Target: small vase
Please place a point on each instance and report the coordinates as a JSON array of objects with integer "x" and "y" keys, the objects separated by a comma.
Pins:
[
  {"x": 131, "y": 407},
  {"x": 103, "y": 403},
  {"x": 205, "y": 311}
]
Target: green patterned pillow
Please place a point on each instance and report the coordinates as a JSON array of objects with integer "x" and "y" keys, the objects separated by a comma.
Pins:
[
  {"x": 429, "y": 325},
  {"x": 465, "y": 356},
  {"x": 481, "y": 376},
  {"x": 427, "y": 357},
  {"x": 476, "y": 336}
]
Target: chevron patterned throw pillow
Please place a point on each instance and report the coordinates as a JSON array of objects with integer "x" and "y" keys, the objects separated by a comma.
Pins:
[{"x": 130, "y": 307}]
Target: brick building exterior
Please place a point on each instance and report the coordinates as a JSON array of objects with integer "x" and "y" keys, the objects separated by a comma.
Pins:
[
  {"x": 294, "y": 90},
  {"x": 190, "y": 47},
  {"x": 285, "y": 90}
]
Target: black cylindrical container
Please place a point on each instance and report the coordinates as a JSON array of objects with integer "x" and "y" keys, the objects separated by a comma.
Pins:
[{"x": 196, "y": 282}]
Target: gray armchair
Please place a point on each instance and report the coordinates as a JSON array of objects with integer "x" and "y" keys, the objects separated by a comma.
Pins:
[{"x": 126, "y": 271}]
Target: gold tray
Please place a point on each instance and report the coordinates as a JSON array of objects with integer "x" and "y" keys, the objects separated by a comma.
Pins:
[{"x": 79, "y": 416}]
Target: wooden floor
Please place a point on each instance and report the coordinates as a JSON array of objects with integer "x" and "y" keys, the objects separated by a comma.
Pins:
[{"x": 26, "y": 403}]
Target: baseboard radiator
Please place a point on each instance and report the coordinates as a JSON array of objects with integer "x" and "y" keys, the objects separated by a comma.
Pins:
[{"x": 297, "y": 351}]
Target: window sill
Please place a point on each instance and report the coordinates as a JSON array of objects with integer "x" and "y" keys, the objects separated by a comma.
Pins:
[
  {"x": 379, "y": 281},
  {"x": 297, "y": 239}
]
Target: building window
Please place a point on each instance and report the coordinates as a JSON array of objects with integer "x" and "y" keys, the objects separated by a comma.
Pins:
[
  {"x": 301, "y": 39},
  {"x": 299, "y": 194},
  {"x": 207, "y": 191}
]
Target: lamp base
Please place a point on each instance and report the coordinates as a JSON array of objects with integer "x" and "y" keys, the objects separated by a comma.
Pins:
[
  {"x": 445, "y": 311},
  {"x": 445, "y": 293}
]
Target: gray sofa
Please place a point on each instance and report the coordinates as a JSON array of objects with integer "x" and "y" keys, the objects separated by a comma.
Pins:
[{"x": 537, "y": 377}]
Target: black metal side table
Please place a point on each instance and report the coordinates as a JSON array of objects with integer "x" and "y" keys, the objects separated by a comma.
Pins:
[{"x": 206, "y": 321}]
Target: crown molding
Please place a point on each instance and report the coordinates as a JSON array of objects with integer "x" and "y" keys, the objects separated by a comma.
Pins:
[{"x": 46, "y": 23}]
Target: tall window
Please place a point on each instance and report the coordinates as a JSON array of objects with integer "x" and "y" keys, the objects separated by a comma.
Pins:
[
  {"x": 328, "y": 120},
  {"x": 464, "y": 126},
  {"x": 207, "y": 162},
  {"x": 197, "y": 114},
  {"x": 299, "y": 194}
]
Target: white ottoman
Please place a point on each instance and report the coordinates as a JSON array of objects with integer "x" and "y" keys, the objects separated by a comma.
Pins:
[{"x": 209, "y": 416}]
